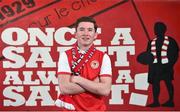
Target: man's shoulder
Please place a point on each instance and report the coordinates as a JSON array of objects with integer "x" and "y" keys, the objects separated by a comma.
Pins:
[
  {"x": 68, "y": 51},
  {"x": 100, "y": 52}
]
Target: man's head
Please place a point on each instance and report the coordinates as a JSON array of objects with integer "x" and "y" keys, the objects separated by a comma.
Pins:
[
  {"x": 86, "y": 19},
  {"x": 85, "y": 34},
  {"x": 159, "y": 29}
]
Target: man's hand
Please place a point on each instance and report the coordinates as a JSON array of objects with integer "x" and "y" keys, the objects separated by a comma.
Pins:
[
  {"x": 67, "y": 87},
  {"x": 76, "y": 79}
]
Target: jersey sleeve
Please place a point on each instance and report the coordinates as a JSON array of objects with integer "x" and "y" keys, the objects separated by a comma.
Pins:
[
  {"x": 63, "y": 65},
  {"x": 106, "y": 69}
]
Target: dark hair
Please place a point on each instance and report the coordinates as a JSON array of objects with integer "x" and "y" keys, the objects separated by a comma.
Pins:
[{"x": 86, "y": 19}]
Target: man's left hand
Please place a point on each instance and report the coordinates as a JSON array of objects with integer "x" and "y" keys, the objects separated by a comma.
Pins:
[{"x": 75, "y": 79}]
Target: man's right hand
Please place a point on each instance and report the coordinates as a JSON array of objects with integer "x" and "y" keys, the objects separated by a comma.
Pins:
[{"x": 97, "y": 79}]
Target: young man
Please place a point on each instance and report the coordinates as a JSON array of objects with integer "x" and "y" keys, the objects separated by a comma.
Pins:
[{"x": 84, "y": 72}]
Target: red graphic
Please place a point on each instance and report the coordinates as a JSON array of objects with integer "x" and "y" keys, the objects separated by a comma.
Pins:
[{"x": 30, "y": 84}]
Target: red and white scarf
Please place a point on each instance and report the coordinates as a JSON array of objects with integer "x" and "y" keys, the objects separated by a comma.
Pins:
[
  {"x": 164, "y": 58},
  {"x": 79, "y": 60}
]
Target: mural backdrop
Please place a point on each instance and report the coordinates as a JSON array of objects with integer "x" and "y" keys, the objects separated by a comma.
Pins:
[{"x": 34, "y": 32}]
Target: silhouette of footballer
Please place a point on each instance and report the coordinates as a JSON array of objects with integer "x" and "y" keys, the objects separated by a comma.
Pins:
[{"x": 165, "y": 53}]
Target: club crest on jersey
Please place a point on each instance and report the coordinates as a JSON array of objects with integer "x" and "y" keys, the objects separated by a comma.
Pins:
[{"x": 94, "y": 64}]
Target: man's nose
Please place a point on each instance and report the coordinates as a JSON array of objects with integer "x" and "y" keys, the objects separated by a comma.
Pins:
[{"x": 86, "y": 32}]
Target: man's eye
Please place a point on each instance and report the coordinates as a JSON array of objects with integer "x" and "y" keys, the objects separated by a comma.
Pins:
[
  {"x": 90, "y": 29},
  {"x": 81, "y": 29}
]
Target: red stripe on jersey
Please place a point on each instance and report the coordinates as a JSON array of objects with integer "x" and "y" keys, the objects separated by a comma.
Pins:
[{"x": 105, "y": 75}]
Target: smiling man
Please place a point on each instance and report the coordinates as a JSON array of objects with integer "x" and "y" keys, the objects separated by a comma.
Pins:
[{"x": 84, "y": 72}]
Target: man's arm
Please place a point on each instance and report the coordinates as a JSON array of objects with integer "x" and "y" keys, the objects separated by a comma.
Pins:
[
  {"x": 67, "y": 87},
  {"x": 101, "y": 88}
]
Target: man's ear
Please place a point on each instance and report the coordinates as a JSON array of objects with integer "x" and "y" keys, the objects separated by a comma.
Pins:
[
  {"x": 95, "y": 35},
  {"x": 75, "y": 35}
]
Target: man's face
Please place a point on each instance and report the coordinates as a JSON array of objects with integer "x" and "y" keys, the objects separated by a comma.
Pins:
[{"x": 85, "y": 34}]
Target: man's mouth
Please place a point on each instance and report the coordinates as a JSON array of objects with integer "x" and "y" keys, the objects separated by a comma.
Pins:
[{"x": 85, "y": 38}]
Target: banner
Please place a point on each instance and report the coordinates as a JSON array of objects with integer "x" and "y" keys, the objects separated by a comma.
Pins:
[{"x": 33, "y": 33}]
